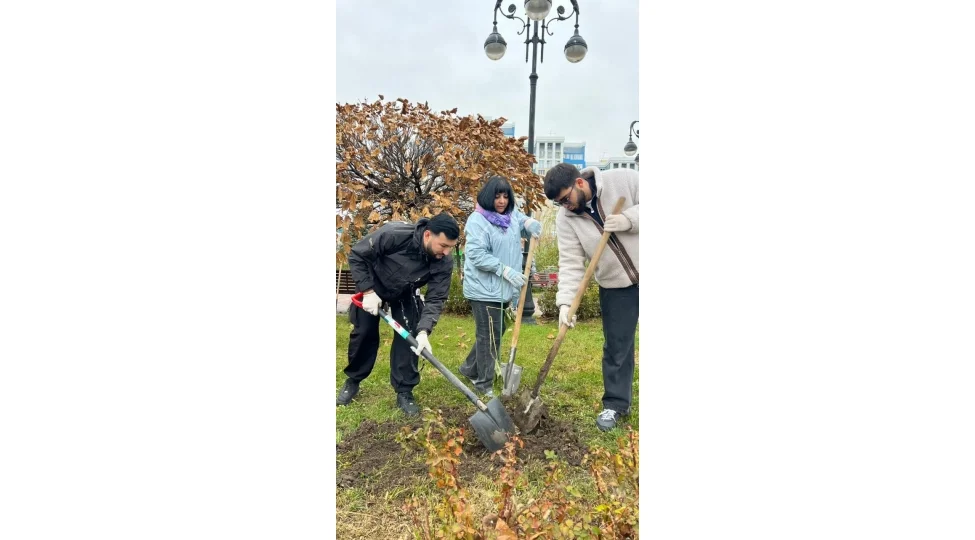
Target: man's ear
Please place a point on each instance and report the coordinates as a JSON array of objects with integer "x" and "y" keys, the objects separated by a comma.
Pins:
[
  {"x": 426, "y": 235},
  {"x": 580, "y": 182}
]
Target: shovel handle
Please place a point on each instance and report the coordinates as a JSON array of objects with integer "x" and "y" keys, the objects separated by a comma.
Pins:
[
  {"x": 405, "y": 334},
  {"x": 590, "y": 270},
  {"x": 532, "y": 244}
]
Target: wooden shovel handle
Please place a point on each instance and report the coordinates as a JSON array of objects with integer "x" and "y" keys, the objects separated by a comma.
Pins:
[
  {"x": 524, "y": 291},
  {"x": 576, "y": 301}
]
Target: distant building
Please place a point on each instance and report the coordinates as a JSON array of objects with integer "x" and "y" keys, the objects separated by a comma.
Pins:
[
  {"x": 553, "y": 149},
  {"x": 623, "y": 162},
  {"x": 574, "y": 153}
]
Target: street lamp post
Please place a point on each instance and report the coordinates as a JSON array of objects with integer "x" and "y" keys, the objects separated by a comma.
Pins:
[
  {"x": 575, "y": 50},
  {"x": 630, "y": 148}
]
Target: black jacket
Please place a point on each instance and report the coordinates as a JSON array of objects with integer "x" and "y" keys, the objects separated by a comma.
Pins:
[{"x": 392, "y": 261}]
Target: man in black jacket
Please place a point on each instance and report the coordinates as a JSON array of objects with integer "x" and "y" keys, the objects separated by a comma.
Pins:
[{"x": 389, "y": 266}]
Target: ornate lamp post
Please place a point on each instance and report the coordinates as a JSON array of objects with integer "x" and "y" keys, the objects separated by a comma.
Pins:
[
  {"x": 575, "y": 50},
  {"x": 630, "y": 148}
]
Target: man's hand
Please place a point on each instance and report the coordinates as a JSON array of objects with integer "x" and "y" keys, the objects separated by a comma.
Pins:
[
  {"x": 564, "y": 317},
  {"x": 534, "y": 227},
  {"x": 371, "y": 302},
  {"x": 617, "y": 223},
  {"x": 422, "y": 342},
  {"x": 514, "y": 277}
]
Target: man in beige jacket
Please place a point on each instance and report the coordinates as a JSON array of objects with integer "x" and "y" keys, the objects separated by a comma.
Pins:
[{"x": 587, "y": 199}]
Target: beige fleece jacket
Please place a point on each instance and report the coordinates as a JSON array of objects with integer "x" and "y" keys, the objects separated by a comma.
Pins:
[{"x": 619, "y": 265}]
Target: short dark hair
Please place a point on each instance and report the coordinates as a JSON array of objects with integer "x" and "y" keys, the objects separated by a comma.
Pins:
[
  {"x": 559, "y": 177},
  {"x": 495, "y": 185},
  {"x": 444, "y": 223}
]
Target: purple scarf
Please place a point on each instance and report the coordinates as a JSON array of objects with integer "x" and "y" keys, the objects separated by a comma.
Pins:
[{"x": 501, "y": 220}]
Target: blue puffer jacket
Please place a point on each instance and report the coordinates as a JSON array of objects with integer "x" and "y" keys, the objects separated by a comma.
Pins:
[{"x": 487, "y": 250}]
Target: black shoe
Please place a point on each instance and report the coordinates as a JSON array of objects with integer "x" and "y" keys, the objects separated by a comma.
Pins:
[
  {"x": 348, "y": 391},
  {"x": 405, "y": 401},
  {"x": 608, "y": 419}
]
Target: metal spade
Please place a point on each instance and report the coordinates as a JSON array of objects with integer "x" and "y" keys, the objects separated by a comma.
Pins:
[
  {"x": 491, "y": 422},
  {"x": 511, "y": 374}
]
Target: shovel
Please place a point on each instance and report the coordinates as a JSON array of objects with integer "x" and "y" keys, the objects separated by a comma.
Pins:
[
  {"x": 491, "y": 422},
  {"x": 530, "y": 407},
  {"x": 511, "y": 374}
]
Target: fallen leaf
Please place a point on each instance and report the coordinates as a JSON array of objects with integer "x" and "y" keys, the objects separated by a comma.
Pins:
[
  {"x": 550, "y": 336},
  {"x": 504, "y": 532}
]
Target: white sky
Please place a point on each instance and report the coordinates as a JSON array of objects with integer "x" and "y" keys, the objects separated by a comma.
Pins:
[{"x": 422, "y": 52}]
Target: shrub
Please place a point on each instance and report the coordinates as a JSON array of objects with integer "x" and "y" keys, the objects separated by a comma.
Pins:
[
  {"x": 456, "y": 304},
  {"x": 560, "y": 511},
  {"x": 547, "y": 252},
  {"x": 588, "y": 308}
]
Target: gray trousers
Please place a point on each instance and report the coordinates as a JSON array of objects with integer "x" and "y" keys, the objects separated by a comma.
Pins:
[
  {"x": 620, "y": 310},
  {"x": 488, "y": 324}
]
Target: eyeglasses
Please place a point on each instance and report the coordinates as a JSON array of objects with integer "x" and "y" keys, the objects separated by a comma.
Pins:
[{"x": 564, "y": 200}]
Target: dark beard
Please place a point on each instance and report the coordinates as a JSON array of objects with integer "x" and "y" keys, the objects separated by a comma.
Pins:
[{"x": 580, "y": 202}]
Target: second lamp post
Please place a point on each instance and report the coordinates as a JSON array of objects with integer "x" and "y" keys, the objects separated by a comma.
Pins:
[
  {"x": 631, "y": 148},
  {"x": 575, "y": 50}
]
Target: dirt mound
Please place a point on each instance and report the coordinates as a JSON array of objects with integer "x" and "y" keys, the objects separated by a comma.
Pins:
[{"x": 371, "y": 459}]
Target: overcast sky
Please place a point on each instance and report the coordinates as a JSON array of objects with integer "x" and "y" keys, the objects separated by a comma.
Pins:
[{"x": 434, "y": 51}]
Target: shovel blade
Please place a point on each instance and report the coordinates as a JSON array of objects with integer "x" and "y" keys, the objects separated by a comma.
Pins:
[
  {"x": 493, "y": 426},
  {"x": 512, "y": 380},
  {"x": 529, "y": 412}
]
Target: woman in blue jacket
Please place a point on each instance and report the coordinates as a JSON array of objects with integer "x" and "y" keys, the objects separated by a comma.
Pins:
[{"x": 493, "y": 274}]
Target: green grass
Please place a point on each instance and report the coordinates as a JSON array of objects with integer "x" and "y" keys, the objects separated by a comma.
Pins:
[
  {"x": 573, "y": 389},
  {"x": 572, "y": 392}
]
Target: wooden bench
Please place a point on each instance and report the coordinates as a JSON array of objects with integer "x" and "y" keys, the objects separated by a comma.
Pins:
[
  {"x": 545, "y": 278},
  {"x": 344, "y": 281}
]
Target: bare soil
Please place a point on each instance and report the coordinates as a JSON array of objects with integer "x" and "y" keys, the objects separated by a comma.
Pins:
[{"x": 371, "y": 459}]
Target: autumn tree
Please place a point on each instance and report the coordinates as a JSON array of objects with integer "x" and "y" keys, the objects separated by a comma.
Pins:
[{"x": 398, "y": 160}]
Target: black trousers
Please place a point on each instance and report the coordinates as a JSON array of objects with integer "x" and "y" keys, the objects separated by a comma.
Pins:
[
  {"x": 404, "y": 371},
  {"x": 480, "y": 363},
  {"x": 620, "y": 310}
]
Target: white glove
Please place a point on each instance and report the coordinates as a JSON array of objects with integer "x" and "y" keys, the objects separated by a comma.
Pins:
[
  {"x": 533, "y": 227},
  {"x": 422, "y": 342},
  {"x": 564, "y": 317},
  {"x": 514, "y": 277},
  {"x": 617, "y": 223},
  {"x": 371, "y": 303}
]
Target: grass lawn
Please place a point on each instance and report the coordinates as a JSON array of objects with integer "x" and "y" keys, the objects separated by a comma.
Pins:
[{"x": 572, "y": 392}]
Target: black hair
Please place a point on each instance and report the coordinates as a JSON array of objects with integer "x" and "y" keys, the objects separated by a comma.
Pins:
[
  {"x": 444, "y": 223},
  {"x": 495, "y": 185},
  {"x": 559, "y": 177}
]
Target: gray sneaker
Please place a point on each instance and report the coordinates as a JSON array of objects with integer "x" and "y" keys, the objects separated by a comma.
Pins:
[
  {"x": 608, "y": 419},
  {"x": 348, "y": 391}
]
